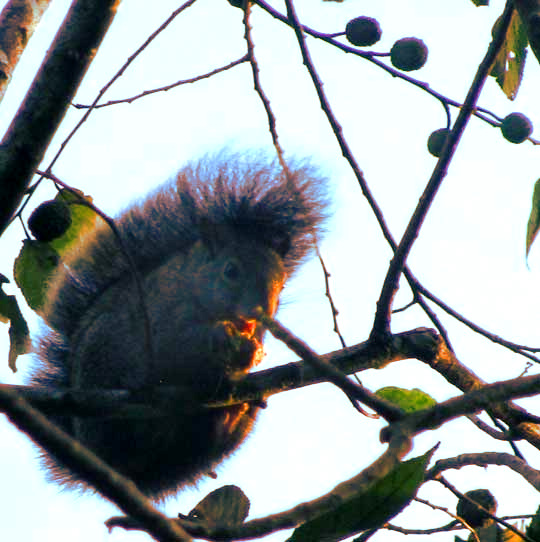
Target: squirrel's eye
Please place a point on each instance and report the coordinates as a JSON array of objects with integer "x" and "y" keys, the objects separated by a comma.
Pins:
[{"x": 231, "y": 271}]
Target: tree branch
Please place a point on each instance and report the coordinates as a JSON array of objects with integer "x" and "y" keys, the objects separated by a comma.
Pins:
[
  {"x": 353, "y": 391},
  {"x": 488, "y": 397},
  {"x": 110, "y": 484},
  {"x": 420, "y": 343},
  {"x": 464, "y": 379},
  {"x": 381, "y": 323},
  {"x": 18, "y": 20},
  {"x": 398, "y": 447},
  {"x": 485, "y": 459},
  {"x": 48, "y": 99}
]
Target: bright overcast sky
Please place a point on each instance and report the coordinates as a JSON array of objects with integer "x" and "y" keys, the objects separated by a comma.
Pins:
[{"x": 470, "y": 251}]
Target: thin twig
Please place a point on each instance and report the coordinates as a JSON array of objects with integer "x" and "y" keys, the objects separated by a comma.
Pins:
[
  {"x": 457, "y": 519},
  {"x": 141, "y": 296},
  {"x": 328, "y": 294},
  {"x": 167, "y": 87},
  {"x": 117, "y": 76},
  {"x": 371, "y": 56},
  {"x": 259, "y": 89},
  {"x": 514, "y": 347},
  {"x": 460, "y": 495},
  {"x": 336, "y": 127},
  {"x": 347, "y": 153},
  {"x": 336, "y": 327},
  {"x": 486, "y": 428},
  {"x": 353, "y": 391}
]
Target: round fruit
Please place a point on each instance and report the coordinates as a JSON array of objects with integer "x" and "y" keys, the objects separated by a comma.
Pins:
[
  {"x": 408, "y": 54},
  {"x": 237, "y": 3},
  {"x": 50, "y": 220},
  {"x": 516, "y": 128},
  {"x": 436, "y": 141},
  {"x": 363, "y": 31},
  {"x": 473, "y": 515}
]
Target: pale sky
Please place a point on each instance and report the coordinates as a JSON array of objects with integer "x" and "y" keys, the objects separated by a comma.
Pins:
[{"x": 470, "y": 252}]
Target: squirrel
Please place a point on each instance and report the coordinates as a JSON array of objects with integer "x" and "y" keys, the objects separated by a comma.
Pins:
[{"x": 220, "y": 240}]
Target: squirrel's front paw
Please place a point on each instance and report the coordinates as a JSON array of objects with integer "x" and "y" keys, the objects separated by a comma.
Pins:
[{"x": 235, "y": 343}]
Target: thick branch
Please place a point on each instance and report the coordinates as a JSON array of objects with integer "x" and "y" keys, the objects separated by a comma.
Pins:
[
  {"x": 48, "y": 99},
  {"x": 446, "y": 364},
  {"x": 420, "y": 344},
  {"x": 113, "y": 486},
  {"x": 489, "y": 397},
  {"x": 18, "y": 21}
]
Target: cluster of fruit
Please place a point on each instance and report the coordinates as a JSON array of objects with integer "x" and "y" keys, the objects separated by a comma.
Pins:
[
  {"x": 515, "y": 128},
  {"x": 407, "y": 54}
]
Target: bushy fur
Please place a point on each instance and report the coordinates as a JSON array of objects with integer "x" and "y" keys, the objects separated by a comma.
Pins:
[{"x": 210, "y": 247}]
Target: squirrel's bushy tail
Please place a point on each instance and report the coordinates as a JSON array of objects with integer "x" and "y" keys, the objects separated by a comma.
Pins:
[{"x": 247, "y": 194}]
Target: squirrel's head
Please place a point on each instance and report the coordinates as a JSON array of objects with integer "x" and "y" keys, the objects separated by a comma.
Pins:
[{"x": 232, "y": 277}]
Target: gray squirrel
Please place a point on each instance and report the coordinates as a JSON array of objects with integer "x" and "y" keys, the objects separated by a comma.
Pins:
[{"x": 209, "y": 248}]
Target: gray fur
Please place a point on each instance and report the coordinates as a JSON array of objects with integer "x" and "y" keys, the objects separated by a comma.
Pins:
[{"x": 210, "y": 247}]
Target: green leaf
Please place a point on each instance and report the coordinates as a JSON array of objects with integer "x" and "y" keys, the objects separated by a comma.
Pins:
[
  {"x": 371, "y": 509},
  {"x": 227, "y": 506},
  {"x": 37, "y": 261},
  {"x": 33, "y": 268},
  {"x": 480, "y": 2},
  {"x": 408, "y": 400},
  {"x": 19, "y": 336},
  {"x": 510, "y": 62},
  {"x": 83, "y": 219},
  {"x": 534, "y": 218}
]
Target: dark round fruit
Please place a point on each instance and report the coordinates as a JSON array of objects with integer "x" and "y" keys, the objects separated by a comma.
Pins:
[
  {"x": 408, "y": 54},
  {"x": 50, "y": 220},
  {"x": 236, "y": 3},
  {"x": 473, "y": 515},
  {"x": 436, "y": 141},
  {"x": 516, "y": 128},
  {"x": 363, "y": 31}
]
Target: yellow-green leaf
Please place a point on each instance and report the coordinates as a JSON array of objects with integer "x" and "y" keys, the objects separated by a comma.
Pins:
[
  {"x": 508, "y": 66},
  {"x": 408, "y": 400},
  {"x": 83, "y": 219},
  {"x": 534, "y": 218},
  {"x": 33, "y": 268}
]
